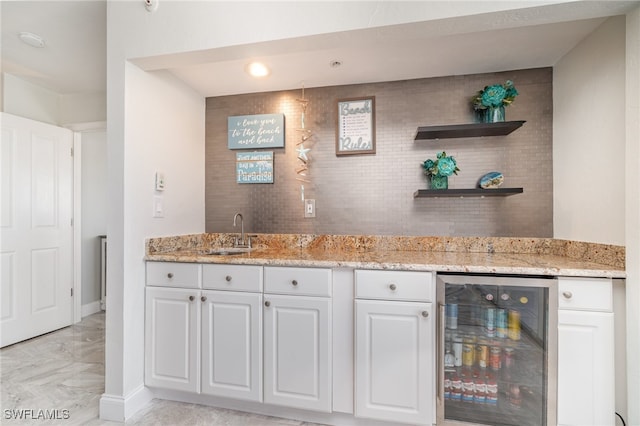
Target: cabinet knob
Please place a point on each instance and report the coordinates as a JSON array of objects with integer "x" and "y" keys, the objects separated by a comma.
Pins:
[
  {"x": 170, "y": 275},
  {"x": 567, "y": 294},
  {"x": 392, "y": 287},
  {"x": 267, "y": 303},
  {"x": 203, "y": 298},
  {"x": 294, "y": 283},
  {"x": 425, "y": 314},
  {"x": 228, "y": 278},
  {"x": 191, "y": 298}
]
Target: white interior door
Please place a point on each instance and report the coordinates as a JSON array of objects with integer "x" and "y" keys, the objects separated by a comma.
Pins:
[{"x": 36, "y": 240}]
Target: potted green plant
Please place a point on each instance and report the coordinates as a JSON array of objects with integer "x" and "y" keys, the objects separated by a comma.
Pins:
[{"x": 440, "y": 169}]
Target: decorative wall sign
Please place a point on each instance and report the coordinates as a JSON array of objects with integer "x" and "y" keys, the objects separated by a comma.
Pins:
[
  {"x": 356, "y": 127},
  {"x": 254, "y": 167},
  {"x": 256, "y": 131}
]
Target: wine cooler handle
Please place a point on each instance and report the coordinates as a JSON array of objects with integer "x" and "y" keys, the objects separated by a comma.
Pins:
[{"x": 440, "y": 352}]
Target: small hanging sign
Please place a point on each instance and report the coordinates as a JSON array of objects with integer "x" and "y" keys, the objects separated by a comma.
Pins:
[
  {"x": 256, "y": 131},
  {"x": 254, "y": 167}
]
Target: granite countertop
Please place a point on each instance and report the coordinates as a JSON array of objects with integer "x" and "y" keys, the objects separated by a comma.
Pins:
[{"x": 463, "y": 255}]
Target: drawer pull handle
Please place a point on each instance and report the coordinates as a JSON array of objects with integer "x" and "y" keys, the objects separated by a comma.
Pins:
[
  {"x": 393, "y": 287},
  {"x": 267, "y": 303},
  {"x": 294, "y": 283},
  {"x": 170, "y": 275},
  {"x": 228, "y": 278},
  {"x": 567, "y": 294},
  {"x": 425, "y": 314},
  {"x": 203, "y": 298},
  {"x": 191, "y": 298}
]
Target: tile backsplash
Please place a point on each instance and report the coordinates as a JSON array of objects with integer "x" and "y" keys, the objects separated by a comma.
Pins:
[{"x": 373, "y": 194}]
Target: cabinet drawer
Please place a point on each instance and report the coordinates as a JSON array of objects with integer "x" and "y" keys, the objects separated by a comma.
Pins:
[
  {"x": 232, "y": 277},
  {"x": 593, "y": 294},
  {"x": 173, "y": 274},
  {"x": 302, "y": 281},
  {"x": 394, "y": 285}
]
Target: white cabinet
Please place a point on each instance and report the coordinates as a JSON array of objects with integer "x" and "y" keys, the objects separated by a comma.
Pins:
[
  {"x": 586, "y": 388},
  {"x": 171, "y": 338},
  {"x": 297, "y": 339},
  {"x": 232, "y": 344},
  {"x": 205, "y": 341},
  {"x": 395, "y": 347}
]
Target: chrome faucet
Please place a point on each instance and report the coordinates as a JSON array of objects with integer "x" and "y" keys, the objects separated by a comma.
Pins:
[{"x": 242, "y": 243}]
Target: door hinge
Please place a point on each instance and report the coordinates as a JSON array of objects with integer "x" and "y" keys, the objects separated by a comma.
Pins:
[
  {"x": 72, "y": 151},
  {"x": 71, "y": 292},
  {"x": 71, "y": 221}
]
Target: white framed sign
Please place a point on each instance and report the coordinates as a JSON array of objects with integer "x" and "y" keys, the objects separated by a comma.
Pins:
[{"x": 356, "y": 127}]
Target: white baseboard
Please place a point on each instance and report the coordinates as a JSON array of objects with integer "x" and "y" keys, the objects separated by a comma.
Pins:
[
  {"x": 90, "y": 308},
  {"x": 116, "y": 408}
]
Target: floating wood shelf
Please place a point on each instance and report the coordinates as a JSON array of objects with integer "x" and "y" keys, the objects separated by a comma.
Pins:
[
  {"x": 471, "y": 130},
  {"x": 461, "y": 193}
]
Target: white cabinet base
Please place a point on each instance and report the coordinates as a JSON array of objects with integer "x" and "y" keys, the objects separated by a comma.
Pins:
[
  {"x": 232, "y": 344},
  {"x": 172, "y": 334},
  {"x": 297, "y": 351},
  {"x": 586, "y": 383},
  {"x": 394, "y": 361}
]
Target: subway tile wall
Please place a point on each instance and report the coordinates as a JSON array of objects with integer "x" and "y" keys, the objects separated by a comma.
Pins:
[{"x": 373, "y": 194}]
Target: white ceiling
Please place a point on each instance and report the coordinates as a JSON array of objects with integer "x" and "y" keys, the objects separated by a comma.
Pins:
[
  {"x": 75, "y": 32},
  {"x": 74, "y": 60}
]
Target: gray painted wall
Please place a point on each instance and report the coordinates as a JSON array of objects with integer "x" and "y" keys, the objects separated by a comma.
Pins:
[{"x": 373, "y": 194}]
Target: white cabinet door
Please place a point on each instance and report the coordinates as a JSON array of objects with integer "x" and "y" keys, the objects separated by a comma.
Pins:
[
  {"x": 585, "y": 368},
  {"x": 232, "y": 344},
  {"x": 172, "y": 338},
  {"x": 394, "y": 361},
  {"x": 297, "y": 351}
]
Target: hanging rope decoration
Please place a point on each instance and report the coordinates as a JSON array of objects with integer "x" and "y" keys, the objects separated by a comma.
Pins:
[{"x": 302, "y": 167}]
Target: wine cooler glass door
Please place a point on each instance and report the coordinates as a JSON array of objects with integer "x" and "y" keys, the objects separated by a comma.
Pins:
[{"x": 495, "y": 350}]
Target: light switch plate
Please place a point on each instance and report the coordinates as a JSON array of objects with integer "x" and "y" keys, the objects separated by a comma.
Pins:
[{"x": 158, "y": 206}]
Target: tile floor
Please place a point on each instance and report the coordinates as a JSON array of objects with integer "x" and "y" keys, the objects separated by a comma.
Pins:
[{"x": 64, "y": 371}]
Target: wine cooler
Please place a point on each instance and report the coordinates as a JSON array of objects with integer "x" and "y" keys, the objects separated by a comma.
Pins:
[{"x": 497, "y": 351}]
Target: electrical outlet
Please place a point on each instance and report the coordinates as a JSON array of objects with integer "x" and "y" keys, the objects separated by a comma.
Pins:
[{"x": 309, "y": 208}]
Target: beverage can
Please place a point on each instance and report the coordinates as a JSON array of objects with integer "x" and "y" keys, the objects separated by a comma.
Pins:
[
  {"x": 482, "y": 355},
  {"x": 449, "y": 359},
  {"x": 456, "y": 394},
  {"x": 515, "y": 397},
  {"x": 494, "y": 358},
  {"x": 501, "y": 323},
  {"x": 447, "y": 386},
  {"x": 490, "y": 322},
  {"x": 514, "y": 324},
  {"x": 468, "y": 354},
  {"x": 467, "y": 390},
  {"x": 456, "y": 388},
  {"x": 457, "y": 351},
  {"x": 492, "y": 392},
  {"x": 480, "y": 392},
  {"x": 456, "y": 383},
  {"x": 509, "y": 358},
  {"x": 452, "y": 316}
]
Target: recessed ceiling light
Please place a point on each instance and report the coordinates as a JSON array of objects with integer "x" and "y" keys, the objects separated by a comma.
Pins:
[
  {"x": 33, "y": 40},
  {"x": 257, "y": 69}
]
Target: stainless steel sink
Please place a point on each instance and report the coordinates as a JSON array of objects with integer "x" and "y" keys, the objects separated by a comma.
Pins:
[{"x": 228, "y": 251}]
